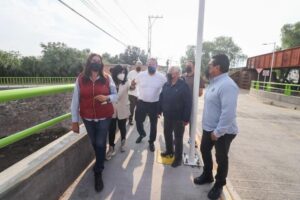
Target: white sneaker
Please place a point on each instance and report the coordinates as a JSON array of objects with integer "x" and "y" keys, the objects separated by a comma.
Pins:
[
  {"x": 111, "y": 152},
  {"x": 123, "y": 145}
]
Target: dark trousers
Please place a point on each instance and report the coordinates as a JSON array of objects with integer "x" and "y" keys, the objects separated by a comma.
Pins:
[
  {"x": 133, "y": 101},
  {"x": 142, "y": 110},
  {"x": 177, "y": 127},
  {"x": 222, "y": 146},
  {"x": 97, "y": 132},
  {"x": 113, "y": 128}
]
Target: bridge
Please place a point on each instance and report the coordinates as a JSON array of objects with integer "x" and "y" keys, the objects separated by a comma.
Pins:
[{"x": 264, "y": 158}]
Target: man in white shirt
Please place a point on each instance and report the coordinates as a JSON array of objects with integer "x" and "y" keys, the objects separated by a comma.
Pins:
[
  {"x": 133, "y": 97},
  {"x": 149, "y": 84}
]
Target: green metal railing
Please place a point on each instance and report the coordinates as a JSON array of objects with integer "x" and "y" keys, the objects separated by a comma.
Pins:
[
  {"x": 8, "y": 81},
  {"x": 283, "y": 88},
  {"x": 9, "y": 95}
]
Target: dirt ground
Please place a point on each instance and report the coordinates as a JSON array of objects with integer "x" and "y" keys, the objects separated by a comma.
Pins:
[{"x": 13, "y": 153}]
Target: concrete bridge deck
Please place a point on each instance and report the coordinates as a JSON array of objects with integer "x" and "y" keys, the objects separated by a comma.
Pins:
[
  {"x": 264, "y": 162},
  {"x": 135, "y": 174}
]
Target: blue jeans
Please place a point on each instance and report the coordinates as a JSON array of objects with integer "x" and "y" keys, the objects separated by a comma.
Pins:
[{"x": 97, "y": 132}]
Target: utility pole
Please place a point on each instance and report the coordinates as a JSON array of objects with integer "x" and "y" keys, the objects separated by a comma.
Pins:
[
  {"x": 192, "y": 159},
  {"x": 151, "y": 20}
]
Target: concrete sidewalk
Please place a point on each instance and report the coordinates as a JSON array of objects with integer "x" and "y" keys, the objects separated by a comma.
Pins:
[{"x": 135, "y": 174}]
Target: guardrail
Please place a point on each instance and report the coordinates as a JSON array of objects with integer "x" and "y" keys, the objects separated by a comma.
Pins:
[
  {"x": 283, "y": 88},
  {"x": 9, "y": 95},
  {"x": 7, "y": 81}
]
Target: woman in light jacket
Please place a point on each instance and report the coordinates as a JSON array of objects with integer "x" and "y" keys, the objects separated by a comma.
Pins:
[{"x": 121, "y": 109}]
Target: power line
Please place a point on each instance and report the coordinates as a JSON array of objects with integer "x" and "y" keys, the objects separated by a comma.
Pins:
[
  {"x": 129, "y": 18},
  {"x": 101, "y": 29},
  {"x": 97, "y": 4},
  {"x": 93, "y": 9}
]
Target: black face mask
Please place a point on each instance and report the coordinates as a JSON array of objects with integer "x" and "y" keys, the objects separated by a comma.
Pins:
[
  {"x": 138, "y": 69},
  {"x": 96, "y": 67},
  {"x": 169, "y": 77},
  {"x": 207, "y": 73},
  {"x": 151, "y": 69},
  {"x": 188, "y": 69}
]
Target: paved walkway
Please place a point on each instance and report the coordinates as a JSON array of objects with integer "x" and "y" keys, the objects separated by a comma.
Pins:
[
  {"x": 264, "y": 162},
  {"x": 135, "y": 174},
  {"x": 265, "y": 157}
]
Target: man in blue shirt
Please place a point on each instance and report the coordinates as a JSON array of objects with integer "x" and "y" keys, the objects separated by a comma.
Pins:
[{"x": 218, "y": 123}]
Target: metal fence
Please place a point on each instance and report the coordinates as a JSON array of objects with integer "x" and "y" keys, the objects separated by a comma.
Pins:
[
  {"x": 23, "y": 81},
  {"x": 282, "y": 88},
  {"x": 10, "y": 95}
]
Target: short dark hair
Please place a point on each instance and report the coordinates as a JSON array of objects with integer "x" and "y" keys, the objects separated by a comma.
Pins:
[
  {"x": 223, "y": 61},
  {"x": 191, "y": 61},
  {"x": 115, "y": 71}
]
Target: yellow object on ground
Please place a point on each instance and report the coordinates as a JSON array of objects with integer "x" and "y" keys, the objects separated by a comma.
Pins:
[{"x": 162, "y": 160}]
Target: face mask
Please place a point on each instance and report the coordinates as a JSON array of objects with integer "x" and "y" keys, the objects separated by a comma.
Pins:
[
  {"x": 169, "y": 77},
  {"x": 138, "y": 69},
  {"x": 121, "y": 77},
  {"x": 151, "y": 69},
  {"x": 207, "y": 73},
  {"x": 96, "y": 67},
  {"x": 188, "y": 69}
]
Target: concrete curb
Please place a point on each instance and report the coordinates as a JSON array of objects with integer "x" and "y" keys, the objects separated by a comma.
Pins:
[{"x": 292, "y": 102}]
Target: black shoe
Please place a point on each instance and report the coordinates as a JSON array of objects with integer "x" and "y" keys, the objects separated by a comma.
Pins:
[
  {"x": 151, "y": 147},
  {"x": 203, "y": 179},
  {"x": 139, "y": 139},
  {"x": 215, "y": 192},
  {"x": 98, "y": 182},
  {"x": 176, "y": 163},
  {"x": 166, "y": 155}
]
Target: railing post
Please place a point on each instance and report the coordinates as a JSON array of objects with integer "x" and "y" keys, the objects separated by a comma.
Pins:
[
  {"x": 257, "y": 85},
  {"x": 268, "y": 87},
  {"x": 287, "y": 90}
]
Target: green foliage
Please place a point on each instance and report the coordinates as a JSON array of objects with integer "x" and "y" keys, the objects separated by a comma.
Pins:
[
  {"x": 220, "y": 44},
  {"x": 59, "y": 60},
  {"x": 131, "y": 55},
  {"x": 290, "y": 35},
  {"x": 107, "y": 58},
  {"x": 9, "y": 63}
]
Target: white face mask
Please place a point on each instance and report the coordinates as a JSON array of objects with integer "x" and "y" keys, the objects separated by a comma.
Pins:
[{"x": 121, "y": 77}]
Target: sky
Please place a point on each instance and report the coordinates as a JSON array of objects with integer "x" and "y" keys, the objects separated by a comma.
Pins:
[{"x": 24, "y": 24}]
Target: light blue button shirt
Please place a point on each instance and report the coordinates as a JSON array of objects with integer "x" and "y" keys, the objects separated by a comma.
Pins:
[
  {"x": 75, "y": 99},
  {"x": 220, "y": 103}
]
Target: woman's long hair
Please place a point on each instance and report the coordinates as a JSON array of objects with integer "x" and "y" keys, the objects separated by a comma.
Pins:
[
  {"x": 115, "y": 71},
  {"x": 87, "y": 72}
]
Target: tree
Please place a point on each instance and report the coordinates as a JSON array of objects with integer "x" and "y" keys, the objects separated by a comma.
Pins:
[
  {"x": 107, "y": 58},
  {"x": 30, "y": 66},
  {"x": 60, "y": 60},
  {"x": 220, "y": 44},
  {"x": 9, "y": 63},
  {"x": 131, "y": 55},
  {"x": 290, "y": 35}
]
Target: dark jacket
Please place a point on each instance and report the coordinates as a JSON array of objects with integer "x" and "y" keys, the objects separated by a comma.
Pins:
[{"x": 176, "y": 101}]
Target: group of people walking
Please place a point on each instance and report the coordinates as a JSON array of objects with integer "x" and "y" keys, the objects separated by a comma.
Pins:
[{"x": 105, "y": 101}]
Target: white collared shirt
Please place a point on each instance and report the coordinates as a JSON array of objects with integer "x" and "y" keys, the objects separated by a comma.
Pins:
[{"x": 149, "y": 86}]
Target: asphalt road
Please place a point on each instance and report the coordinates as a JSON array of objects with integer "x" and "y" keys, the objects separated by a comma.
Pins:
[{"x": 265, "y": 156}]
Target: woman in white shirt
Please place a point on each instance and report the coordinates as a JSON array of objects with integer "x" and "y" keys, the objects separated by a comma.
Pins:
[{"x": 121, "y": 109}]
